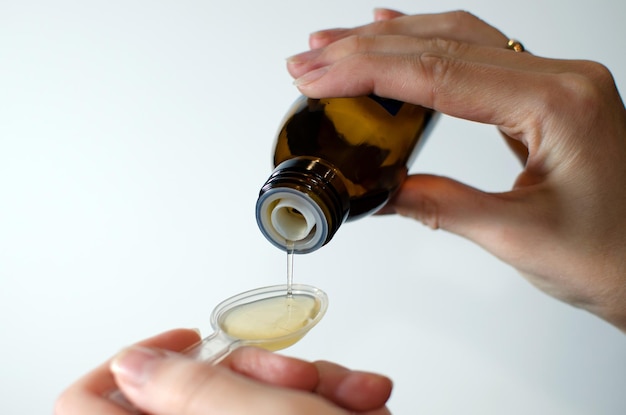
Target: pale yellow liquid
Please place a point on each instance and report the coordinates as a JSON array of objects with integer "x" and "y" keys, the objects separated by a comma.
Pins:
[{"x": 278, "y": 321}]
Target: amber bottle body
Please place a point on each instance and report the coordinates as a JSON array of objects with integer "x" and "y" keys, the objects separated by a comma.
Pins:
[{"x": 337, "y": 160}]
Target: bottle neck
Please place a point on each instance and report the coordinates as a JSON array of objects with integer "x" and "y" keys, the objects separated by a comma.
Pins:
[{"x": 302, "y": 204}]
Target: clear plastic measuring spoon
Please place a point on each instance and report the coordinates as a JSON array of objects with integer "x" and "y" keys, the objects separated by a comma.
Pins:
[{"x": 271, "y": 318}]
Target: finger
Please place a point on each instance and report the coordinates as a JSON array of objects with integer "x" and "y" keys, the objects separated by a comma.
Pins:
[
  {"x": 516, "y": 100},
  {"x": 322, "y": 38},
  {"x": 405, "y": 46},
  {"x": 273, "y": 368},
  {"x": 86, "y": 395},
  {"x": 519, "y": 227},
  {"x": 470, "y": 90},
  {"x": 514, "y": 91},
  {"x": 353, "y": 390},
  {"x": 501, "y": 223},
  {"x": 457, "y": 25},
  {"x": 170, "y": 384},
  {"x": 384, "y": 46}
]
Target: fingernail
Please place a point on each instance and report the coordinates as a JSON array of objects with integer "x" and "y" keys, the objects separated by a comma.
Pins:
[
  {"x": 134, "y": 365},
  {"x": 304, "y": 56},
  {"x": 379, "y": 14},
  {"x": 385, "y": 14},
  {"x": 324, "y": 37},
  {"x": 311, "y": 76}
]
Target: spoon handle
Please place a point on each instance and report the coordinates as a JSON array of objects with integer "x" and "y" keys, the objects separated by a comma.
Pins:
[{"x": 212, "y": 348}]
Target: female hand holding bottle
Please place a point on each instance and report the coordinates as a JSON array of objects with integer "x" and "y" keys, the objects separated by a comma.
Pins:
[{"x": 563, "y": 224}]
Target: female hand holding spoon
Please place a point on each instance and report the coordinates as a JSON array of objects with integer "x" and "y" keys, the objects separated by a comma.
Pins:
[{"x": 271, "y": 318}]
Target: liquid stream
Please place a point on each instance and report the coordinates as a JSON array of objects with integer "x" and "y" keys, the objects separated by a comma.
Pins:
[{"x": 290, "y": 249}]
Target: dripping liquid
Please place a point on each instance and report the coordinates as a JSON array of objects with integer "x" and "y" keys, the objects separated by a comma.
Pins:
[{"x": 289, "y": 268}]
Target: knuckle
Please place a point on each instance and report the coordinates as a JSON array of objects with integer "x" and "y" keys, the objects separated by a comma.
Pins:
[
  {"x": 355, "y": 44},
  {"x": 459, "y": 18},
  {"x": 425, "y": 211},
  {"x": 573, "y": 101},
  {"x": 448, "y": 46},
  {"x": 382, "y": 27},
  {"x": 584, "y": 93},
  {"x": 436, "y": 70},
  {"x": 598, "y": 73}
]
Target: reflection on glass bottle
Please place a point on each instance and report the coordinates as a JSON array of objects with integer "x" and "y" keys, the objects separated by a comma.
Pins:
[{"x": 337, "y": 160}]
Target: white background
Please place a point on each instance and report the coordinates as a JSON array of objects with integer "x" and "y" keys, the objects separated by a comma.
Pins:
[{"x": 134, "y": 137}]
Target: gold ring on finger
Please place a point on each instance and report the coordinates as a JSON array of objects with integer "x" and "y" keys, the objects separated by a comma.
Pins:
[{"x": 515, "y": 45}]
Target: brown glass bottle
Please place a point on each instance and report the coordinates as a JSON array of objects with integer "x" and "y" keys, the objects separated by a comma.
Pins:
[{"x": 336, "y": 160}]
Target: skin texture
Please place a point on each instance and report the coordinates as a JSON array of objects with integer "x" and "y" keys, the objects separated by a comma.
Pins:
[{"x": 562, "y": 224}]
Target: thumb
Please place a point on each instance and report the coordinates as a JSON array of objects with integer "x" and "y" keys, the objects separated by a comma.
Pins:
[{"x": 499, "y": 222}]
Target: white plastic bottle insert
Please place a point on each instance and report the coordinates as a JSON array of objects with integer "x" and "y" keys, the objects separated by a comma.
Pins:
[{"x": 292, "y": 218}]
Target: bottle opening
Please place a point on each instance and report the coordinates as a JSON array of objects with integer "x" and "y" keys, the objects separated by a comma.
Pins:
[
  {"x": 288, "y": 217},
  {"x": 302, "y": 204}
]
